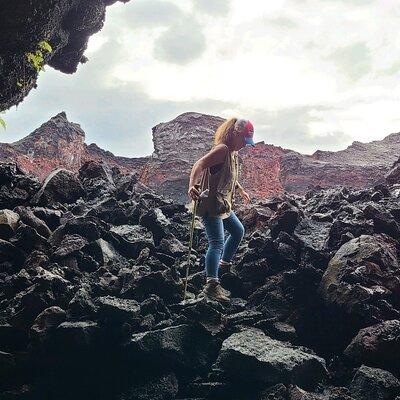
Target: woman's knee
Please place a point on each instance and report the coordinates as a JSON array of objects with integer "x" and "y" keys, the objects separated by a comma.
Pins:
[
  {"x": 236, "y": 227},
  {"x": 239, "y": 230},
  {"x": 216, "y": 243}
]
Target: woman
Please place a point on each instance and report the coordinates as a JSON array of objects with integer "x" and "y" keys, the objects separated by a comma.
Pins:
[{"x": 217, "y": 173}]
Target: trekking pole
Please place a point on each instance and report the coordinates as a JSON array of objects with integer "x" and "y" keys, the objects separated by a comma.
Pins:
[{"x": 190, "y": 246}]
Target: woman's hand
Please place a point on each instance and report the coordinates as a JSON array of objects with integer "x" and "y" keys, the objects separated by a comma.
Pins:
[
  {"x": 245, "y": 196},
  {"x": 193, "y": 193}
]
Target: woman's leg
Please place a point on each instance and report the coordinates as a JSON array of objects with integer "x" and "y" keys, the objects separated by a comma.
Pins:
[
  {"x": 215, "y": 234},
  {"x": 236, "y": 233}
]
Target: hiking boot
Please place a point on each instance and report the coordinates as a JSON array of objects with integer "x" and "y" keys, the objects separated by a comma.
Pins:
[
  {"x": 214, "y": 291},
  {"x": 226, "y": 292}
]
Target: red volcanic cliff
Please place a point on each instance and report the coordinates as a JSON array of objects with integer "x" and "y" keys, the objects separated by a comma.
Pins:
[
  {"x": 265, "y": 170},
  {"x": 53, "y": 144},
  {"x": 60, "y": 143},
  {"x": 260, "y": 170}
]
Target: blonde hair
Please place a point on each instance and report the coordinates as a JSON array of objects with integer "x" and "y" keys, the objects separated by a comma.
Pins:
[{"x": 225, "y": 132}]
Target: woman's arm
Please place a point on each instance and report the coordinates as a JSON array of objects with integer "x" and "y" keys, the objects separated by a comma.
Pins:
[
  {"x": 239, "y": 187},
  {"x": 213, "y": 157},
  {"x": 242, "y": 192}
]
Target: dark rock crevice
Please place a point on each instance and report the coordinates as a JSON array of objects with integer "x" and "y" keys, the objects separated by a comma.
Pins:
[{"x": 65, "y": 24}]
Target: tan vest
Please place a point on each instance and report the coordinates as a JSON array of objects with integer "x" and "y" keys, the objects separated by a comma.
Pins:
[{"x": 221, "y": 185}]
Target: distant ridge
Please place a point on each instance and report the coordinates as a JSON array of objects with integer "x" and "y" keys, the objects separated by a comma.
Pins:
[{"x": 266, "y": 170}]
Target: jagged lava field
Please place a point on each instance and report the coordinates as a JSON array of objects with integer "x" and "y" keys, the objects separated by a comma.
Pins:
[{"x": 91, "y": 276}]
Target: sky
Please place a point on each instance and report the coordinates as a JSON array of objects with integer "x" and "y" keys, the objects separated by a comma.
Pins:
[{"x": 309, "y": 74}]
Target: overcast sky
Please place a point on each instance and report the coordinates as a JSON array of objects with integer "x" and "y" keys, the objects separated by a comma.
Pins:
[{"x": 310, "y": 74}]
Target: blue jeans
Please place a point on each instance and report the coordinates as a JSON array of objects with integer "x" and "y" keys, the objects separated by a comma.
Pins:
[{"x": 217, "y": 249}]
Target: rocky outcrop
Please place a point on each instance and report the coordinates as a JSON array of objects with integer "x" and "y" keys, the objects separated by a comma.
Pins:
[
  {"x": 91, "y": 279},
  {"x": 359, "y": 165},
  {"x": 393, "y": 176},
  {"x": 185, "y": 137},
  {"x": 299, "y": 173},
  {"x": 177, "y": 145},
  {"x": 65, "y": 24},
  {"x": 265, "y": 170},
  {"x": 60, "y": 143},
  {"x": 54, "y": 144}
]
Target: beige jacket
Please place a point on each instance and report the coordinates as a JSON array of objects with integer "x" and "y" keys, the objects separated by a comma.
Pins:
[{"x": 222, "y": 188}]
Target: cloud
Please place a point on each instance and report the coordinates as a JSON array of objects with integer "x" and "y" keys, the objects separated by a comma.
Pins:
[
  {"x": 394, "y": 69},
  {"x": 117, "y": 116},
  {"x": 354, "y": 2},
  {"x": 212, "y": 7},
  {"x": 283, "y": 22},
  {"x": 182, "y": 40},
  {"x": 181, "y": 43},
  {"x": 155, "y": 59},
  {"x": 291, "y": 128},
  {"x": 354, "y": 60},
  {"x": 151, "y": 13}
]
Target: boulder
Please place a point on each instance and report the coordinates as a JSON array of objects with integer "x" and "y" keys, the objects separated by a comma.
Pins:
[
  {"x": 16, "y": 188},
  {"x": 113, "y": 310},
  {"x": 94, "y": 170},
  {"x": 11, "y": 257},
  {"x": 275, "y": 392},
  {"x": 362, "y": 277},
  {"x": 172, "y": 246},
  {"x": 90, "y": 228},
  {"x": 28, "y": 239},
  {"x": 111, "y": 211},
  {"x": 29, "y": 218},
  {"x": 161, "y": 387},
  {"x": 165, "y": 284},
  {"x": 46, "y": 322},
  {"x": 76, "y": 336},
  {"x": 384, "y": 222},
  {"x": 156, "y": 222},
  {"x": 341, "y": 229},
  {"x": 49, "y": 216},
  {"x": 313, "y": 236},
  {"x": 296, "y": 393},
  {"x": 255, "y": 217},
  {"x": 82, "y": 305},
  {"x": 205, "y": 314},
  {"x": 103, "y": 252},
  {"x": 286, "y": 217},
  {"x": 61, "y": 186},
  {"x": 155, "y": 307},
  {"x": 377, "y": 345},
  {"x": 374, "y": 384},
  {"x": 69, "y": 245},
  {"x": 270, "y": 299},
  {"x": 252, "y": 356},
  {"x": 183, "y": 348},
  {"x": 131, "y": 239},
  {"x": 8, "y": 223}
]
